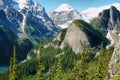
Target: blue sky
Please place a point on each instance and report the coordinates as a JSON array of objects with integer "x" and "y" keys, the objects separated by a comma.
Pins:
[{"x": 79, "y": 5}]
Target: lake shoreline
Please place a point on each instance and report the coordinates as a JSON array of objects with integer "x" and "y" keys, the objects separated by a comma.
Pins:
[{"x": 3, "y": 68}]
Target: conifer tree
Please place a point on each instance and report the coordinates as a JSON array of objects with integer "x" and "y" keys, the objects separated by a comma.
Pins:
[
  {"x": 58, "y": 75},
  {"x": 107, "y": 59},
  {"x": 117, "y": 52},
  {"x": 13, "y": 67},
  {"x": 118, "y": 67},
  {"x": 51, "y": 73},
  {"x": 41, "y": 67},
  {"x": 79, "y": 70},
  {"x": 100, "y": 75}
]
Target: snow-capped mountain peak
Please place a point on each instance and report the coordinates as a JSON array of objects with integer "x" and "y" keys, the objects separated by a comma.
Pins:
[
  {"x": 64, "y": 7},
  {"x": 31, "y": 6},
  {"x": 26, "y": 2},
  {"x": 64, "y": 15}
]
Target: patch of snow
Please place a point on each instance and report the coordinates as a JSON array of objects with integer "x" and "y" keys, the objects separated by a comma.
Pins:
[
  {"x": 23, "y": 22},
  {"x": 25, "y": 1},
  {"x": 113, "y": 36},
  {"x": 119, "y": 34},
  {"x": 109, "y": 37},
  {"x": 28, "y": 57},
  {"x": 114, "y": 31},
  {"x": 37, "y": 7},
  {"x": 21, "y": 6},
  {"x": 64, "y": 7},
  {"x": 63, "y": 26}
]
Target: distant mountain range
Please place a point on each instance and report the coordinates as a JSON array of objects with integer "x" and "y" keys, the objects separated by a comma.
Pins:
[{"x": 65, "y": 14}]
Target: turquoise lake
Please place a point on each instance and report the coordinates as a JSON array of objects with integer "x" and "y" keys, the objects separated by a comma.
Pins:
[{"x": 3, "y": 68}]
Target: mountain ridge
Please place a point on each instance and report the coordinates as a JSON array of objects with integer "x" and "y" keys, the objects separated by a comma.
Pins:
[
  {"x": 93, "y": 12},
  {"x": 107, "y": 20}
]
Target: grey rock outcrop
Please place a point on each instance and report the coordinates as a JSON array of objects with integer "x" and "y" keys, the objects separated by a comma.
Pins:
[
  {"x": 75, "y": 38},
  {"x": 113, "y": 65},
  {"x": 79, "y": 33},
  {"x": 112, "y": 36}
]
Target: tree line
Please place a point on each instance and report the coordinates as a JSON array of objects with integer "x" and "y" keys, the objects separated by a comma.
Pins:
[{"x": 67, "y": 66}]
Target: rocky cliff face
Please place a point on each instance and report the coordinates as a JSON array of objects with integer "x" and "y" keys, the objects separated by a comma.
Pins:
[
  {"x": 7, "y": 38},
  {"x": 28, "y": 6},
  {"x": 75, "y": 37},
  {"x": 79, "y": 33},
  {"x": 108, "y": 19},
  {"x": 113, "y": 36},
  {"x": 114, "y": 62},
  {"x": 28, "y": 18},
  {"x": 92, "y": 12}
]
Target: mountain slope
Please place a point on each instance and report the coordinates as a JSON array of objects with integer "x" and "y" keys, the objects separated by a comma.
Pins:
[
  {"x": 64, "y": 15},
  {"x": 38, "y": 11},
  {"x": 29, "y": 19},
  {"x": 25, "y": 23},
  {"x": 78, "y": 33},
  {"x": 114, "y": 62},
  {"x": 7, "y": 38}
]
